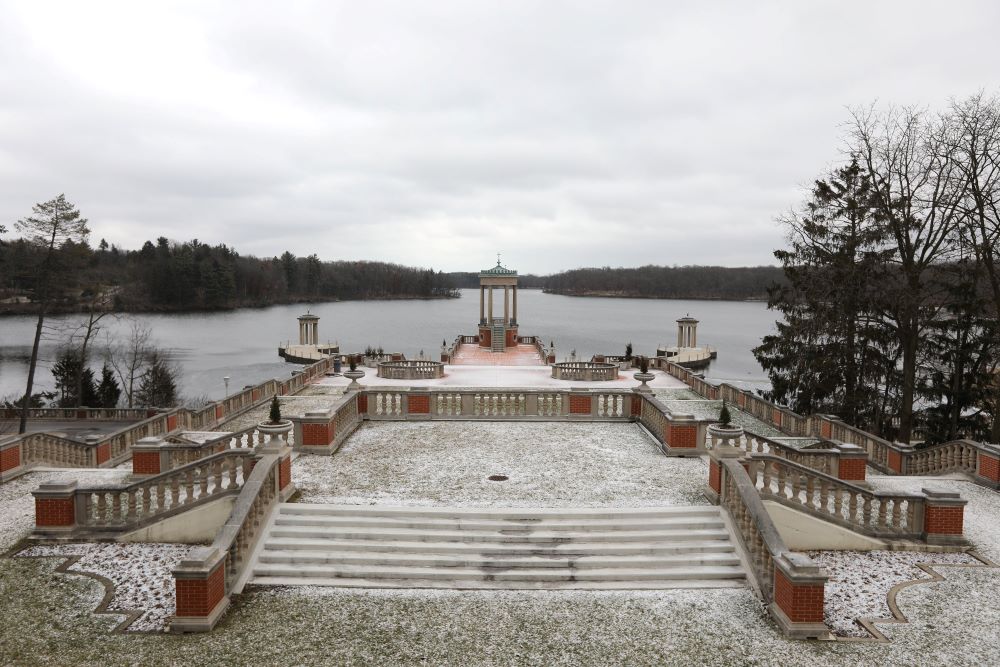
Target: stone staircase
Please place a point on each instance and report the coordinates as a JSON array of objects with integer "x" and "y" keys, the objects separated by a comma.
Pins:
[
  {"x": 498, "y": 338},
  {"x": 411, "y": 547}
]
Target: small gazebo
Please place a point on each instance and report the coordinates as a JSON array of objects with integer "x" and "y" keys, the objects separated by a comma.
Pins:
[{"x": 497, "y": 333}]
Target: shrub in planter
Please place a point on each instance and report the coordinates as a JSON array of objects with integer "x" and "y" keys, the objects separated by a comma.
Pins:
[{"x": 275, "y": 414}]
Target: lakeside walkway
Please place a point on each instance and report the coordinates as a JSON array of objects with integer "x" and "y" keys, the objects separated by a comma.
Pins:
[{"x": 474, "y": 355}]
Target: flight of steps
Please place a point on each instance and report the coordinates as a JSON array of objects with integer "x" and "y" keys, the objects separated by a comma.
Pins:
[
  {"x": 387, "y": 547},
  {"x": 498, "y": 338}
]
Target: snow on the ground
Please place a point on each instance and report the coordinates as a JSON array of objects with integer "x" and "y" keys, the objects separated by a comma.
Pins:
[
  {"x": 140, "y": 574},
  {"x": 860, "y": 582},
  {"x": 17, "y": 505},
  {"x": 550, "y": 464}
]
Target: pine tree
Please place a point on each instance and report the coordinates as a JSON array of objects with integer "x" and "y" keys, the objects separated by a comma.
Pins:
[
  {"x": 108, "y": 391},
  {"x": 158, "y": 387}
]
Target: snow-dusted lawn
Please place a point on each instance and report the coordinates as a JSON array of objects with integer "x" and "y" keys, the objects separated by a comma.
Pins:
[
  {"x": 550, "y": 464},
  {"x": 140, "y": 574},
  {"x": 860, "y": 582}
]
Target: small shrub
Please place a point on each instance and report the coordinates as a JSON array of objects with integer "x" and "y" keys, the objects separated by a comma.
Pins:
[
  {"x": 628, "y": 351},
  {"x": 724, "y": 417},
  {"x": 352, "y": 362},
  {"x": 275, "y": 414},
  {"x": 644, "y": 364}
]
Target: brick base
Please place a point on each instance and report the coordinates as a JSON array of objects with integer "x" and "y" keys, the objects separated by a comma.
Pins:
[
  {"x": 800, "y": 603},
  {"x": 579, "y": 405},
  {"x": 199, "y": 597},
  {"x": 678, "y": 435},
  {"x": 852, "y": 469},
  {"x": 317, "y": 435},
  {"x": 989, "y": 467},
  {"x": 10, "y": 458},
  {"x": 362, "y": 403},
  {"x": 419, "y": 404},
  {"x": 895, "y": 461},
  {"x": 715, "y": 476},
  {"x": 146, "y": 463},
  {"x": 285, "y": 472},
  {"x": 947, "y": 520},
  {"x": 55, "y": 512}
]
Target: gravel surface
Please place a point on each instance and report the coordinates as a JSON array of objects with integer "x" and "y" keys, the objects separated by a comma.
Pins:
[{"x": 550, "y": 464}]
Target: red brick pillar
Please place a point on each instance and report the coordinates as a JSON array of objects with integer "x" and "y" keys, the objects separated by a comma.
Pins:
[
  {"x": 987, "y": 465},
  {"x": 798, "y": 595},
  {"x": 681, "y": 432},
  {"x": 10, "y": 459},
  {"x": 55, "y": 508},
  {"x": 200, "y": 584},
  {"x": 852, "y": 462},
  {"x": 944, "y": 517},
  {"x": 315, "y": 431},
  {"x": 148, "y": 457}
]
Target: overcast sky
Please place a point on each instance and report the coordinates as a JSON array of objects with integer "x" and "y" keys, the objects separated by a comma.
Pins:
[{"x": 432, "y": 133}]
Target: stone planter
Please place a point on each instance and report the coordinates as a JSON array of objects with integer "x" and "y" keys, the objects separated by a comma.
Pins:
[
  {"x": 724, "y": 435},
  {"x": 354, "y": 376},
  {"x": 274, "y": 432},
  {"x": 644, "y": 378}
]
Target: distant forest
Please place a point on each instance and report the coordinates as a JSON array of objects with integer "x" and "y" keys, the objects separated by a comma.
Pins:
[
  {"x": 169, "y": 276},
  {"x": 665, "y": 282}
]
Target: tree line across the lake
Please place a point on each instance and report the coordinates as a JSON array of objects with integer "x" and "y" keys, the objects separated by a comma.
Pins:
[{"x": 892, "y": 300}]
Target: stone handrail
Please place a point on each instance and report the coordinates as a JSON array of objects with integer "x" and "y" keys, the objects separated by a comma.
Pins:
[
  {"x": 584, "y": 370},
  {"x": 957, "y": 455},
  {"x": 153, "y": 455},
  {"x": 528, "y": 404},
  {"x": 105, "y": 510},
  {"x": 677, "y": 433},
  {"x": 19, "y": 454},
  {"x": 106, "y": 414},
  {"x": 411, "y": 370},
  {"x": 895, "y": 515},
  {"x": 840, "y": 460},
  {"x": 781, "y": 575}
]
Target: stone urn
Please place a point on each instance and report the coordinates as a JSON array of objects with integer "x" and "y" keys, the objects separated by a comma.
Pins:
[
  {"x": 354, "y": 376},
  {"x": 723, "y": 436},
  {"x": 644, "y": 378},
  {"x": 277, "y": 433}
]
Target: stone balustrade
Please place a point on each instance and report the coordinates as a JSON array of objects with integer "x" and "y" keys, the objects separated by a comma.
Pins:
[
  {"x": 107, "y": 510},
  {"x": 884, "y": 515},
  {"x": 20, "y": 454},
  {"x": 206, "y": 580},
  {"x": 91, "y": 414},
  {"x": 841, "y": 460},
  {"x": 411, "y": 370},
  {"x": 324, "y": 431},
  {"x": 527, "y": 404},
  {"x": 590, "y": 371},
  {"x": 791, "y": 584}
]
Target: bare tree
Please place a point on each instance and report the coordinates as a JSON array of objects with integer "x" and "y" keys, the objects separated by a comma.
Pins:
[
  {"x": 54, "y": 227},
  {"x": 975, "y": 136},
  {"x": 912, "y": 167},
  {"x": 130, "y": 358}
]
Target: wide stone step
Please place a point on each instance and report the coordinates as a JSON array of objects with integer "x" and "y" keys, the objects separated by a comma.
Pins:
[
  {"x": 456, "y": 574},
  {"x": 500, "y": 525},
  {"x": 526, "y": 514},
  {"x": 480, "y": 561},
  {"x": 347, "y": 582},
  {"x": 579, "y": 548},
  {"x": 512, "y": 535}
]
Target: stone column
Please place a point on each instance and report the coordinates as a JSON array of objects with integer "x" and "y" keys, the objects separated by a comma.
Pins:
[
  {"x": 506, "y": 305},
  {"x": 680, "y": 335},
  {"x": 482, "y": 305},
  {"x": 515, "y": 305},
  {"x": 490, "y": 320}
]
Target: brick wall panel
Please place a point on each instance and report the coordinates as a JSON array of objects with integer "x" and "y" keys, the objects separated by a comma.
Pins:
[
  {"x": 10, "y": 458},
  {"x": 419, "y": 404},
  {"x": 317, "y": 435},
  {"x": 146, "y": 463},
  {"x": 579, "y": 405},
  {"x": 989, "y": 467},
  {"x": 55, "y": 512},
  {"x": 852, "y": 469},
  {"x": 944, "y": 520}
]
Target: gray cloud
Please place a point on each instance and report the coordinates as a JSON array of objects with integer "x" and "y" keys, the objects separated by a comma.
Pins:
[{"x": 436, "y": 133}]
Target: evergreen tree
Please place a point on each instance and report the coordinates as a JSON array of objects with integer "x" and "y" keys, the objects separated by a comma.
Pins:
[
  {"x": 158, "y": 387},
  {"x": 108, "y": 391},
  {"x": 70, "y": 377}
]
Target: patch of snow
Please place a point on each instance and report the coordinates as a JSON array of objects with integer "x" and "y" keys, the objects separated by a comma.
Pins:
[
  {"x": 860, "y": 582},
  {"x": 140, "y": 574},
  {"x": 549, "y": 464}
]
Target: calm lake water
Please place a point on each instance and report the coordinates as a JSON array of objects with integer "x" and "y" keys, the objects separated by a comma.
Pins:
[{"x": 243, "y": 344}]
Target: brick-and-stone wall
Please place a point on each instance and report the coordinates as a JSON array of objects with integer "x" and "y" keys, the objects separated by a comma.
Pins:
[
  {"x": 198, "y": 597},
  {"x": 801, "y": 603}
]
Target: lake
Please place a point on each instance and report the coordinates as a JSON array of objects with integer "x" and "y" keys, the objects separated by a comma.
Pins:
[{"x": 243, "y": 344}]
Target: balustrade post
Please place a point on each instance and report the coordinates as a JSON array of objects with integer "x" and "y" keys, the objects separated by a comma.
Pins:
[
  {"x": 988, "y": 464},
  {"x": 852, "y": 462},
  {"x": 944, "y": 514},
  {"x": 200, "y": 585},
  {"x": 797, "y": 605},
  {"x": 56, "y": 508},
  {"x": 149, "y": 457},
  {"x": 315, "y": 431}
]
